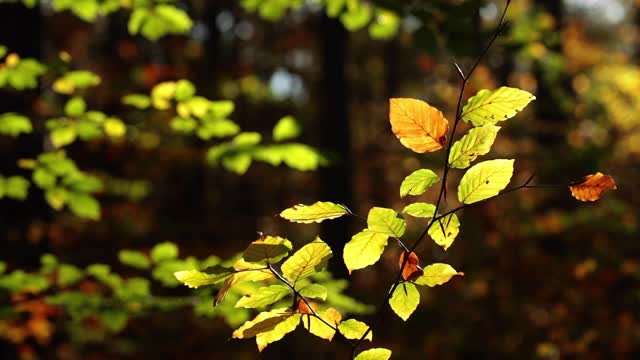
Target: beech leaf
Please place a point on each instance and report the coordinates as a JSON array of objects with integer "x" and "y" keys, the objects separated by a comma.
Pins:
[
  {"x": 592, "y": 187},
  {"x": 484, "y": 180},
  {"x": 418, "y": 182},
  {"x": 364, "y": 249},
  {"x": 318, "y": 212},
  {"x": 492, "y": 106},
  {"x": 419, "y": 126}
]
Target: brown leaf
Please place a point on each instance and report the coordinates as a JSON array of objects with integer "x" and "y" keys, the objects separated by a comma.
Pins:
[
  {"x": 412, "y": 269},
  {"x": 303, "y": 308},
  {"x": 592, "y": 187},
  {"x": 418, "y": 125}
]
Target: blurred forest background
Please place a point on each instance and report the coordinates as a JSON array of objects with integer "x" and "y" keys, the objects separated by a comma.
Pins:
[{"x": 545, "y": 276}]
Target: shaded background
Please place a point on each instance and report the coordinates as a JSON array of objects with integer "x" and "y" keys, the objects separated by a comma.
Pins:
[{"x": 546, "y": 276}]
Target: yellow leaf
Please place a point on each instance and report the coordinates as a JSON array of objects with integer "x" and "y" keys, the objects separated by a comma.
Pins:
[
  {"x": 320, "y": 329},
  {"x": 310, "y": 259},
  {"x": 419, "y": 126},
  {"x": 320, "y": 211},
  {"x": 263, "y": 322},
  {"x": 592, "y": 187},
  {"x": 279, "y": 331},
  {"x": 437, "y": 274}
]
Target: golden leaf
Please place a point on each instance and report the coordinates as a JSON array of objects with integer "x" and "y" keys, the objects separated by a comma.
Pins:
[
  {"x": 418, "y": 125},
  {"x": 592, "y": 187}
]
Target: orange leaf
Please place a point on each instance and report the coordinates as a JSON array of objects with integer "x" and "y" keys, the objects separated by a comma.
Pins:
[
  {"x": 412, "y": 269},
  {"x": 303, "y": 308},
  {"x": 592, "y": 187},
  {"x": 418, "y": 125}
]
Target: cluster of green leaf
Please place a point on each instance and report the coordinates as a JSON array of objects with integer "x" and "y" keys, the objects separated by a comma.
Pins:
[
  {"x": 354, "y": 14},
  {"x": 208, "y": 119},
  {"x": 18, "y": 73},
  {"x": 151, "y": 19}
]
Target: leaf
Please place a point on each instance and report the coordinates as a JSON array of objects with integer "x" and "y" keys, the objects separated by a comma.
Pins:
[
  {"x": 419, "y": 126},
  {"x": 114, "y": 127},
  {"x": 184, "y": 90},
  {"x": 405, "y": 300},
  {"x": 364, "y": 249},
  {"x": 267, "y": 249},
  {"x": 314, "y": 291},
  {"x": 320, "y": 329},
  {"x": 263, "y": 322},
  {"x": 64, "y": 135},
  {"x": 134, "y": 259},
  {"x": 250, "y": 272},
  {"x": 76, "y": 106},
  {"x": 412, "y": 269},
  {"x": 318, "y": 212},
  {"x": 164, "y": 251},
  {"x": 422, "y": 210},
  {"x": 83, "y": 205},
  {"x": 437, "y": 274},
  {"x": 445, "y": 230},
  {"x": 15, "y": 187},
  {"x": 592, "y": 187},
  {"x": 195, "y": 279},
  {"x": 264, "y": 296},
  {"x": 354, "y": 329},
  {"x": 14, "y": 124},
  {"x": 286, "y": 128},
  {"x": 485, "y": 180},
  {"x": 385, "y": 221},
  {"x": 490, "y": 107},
  {"x": 477, "y": 142},
  {"x": 374, "y": 354},
  {"x": 139, "y": 101},
  {"x": 310, "y": 259},
  {"x": 279, "y": 331},
  {"x": 418, "y": 182}
]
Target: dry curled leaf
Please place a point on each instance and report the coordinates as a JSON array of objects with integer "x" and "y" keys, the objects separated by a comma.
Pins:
[
  {"x": 303, "y": 308},
  {"x": 418, "y": 125},
  {"x": 592, "y": 187},
  {"x": 412, "y": 269}
]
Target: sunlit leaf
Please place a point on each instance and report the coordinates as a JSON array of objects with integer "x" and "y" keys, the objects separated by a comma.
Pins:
[
  {"x": 484, "y": 180},
  {"x": 140, "y": 101},
  {"x": 76, "y": 106},
  {"x": 314, "y": 291},
  {"x": 354, "y": 329},
  {"x": 310, "y": 259},
  {"x": 386, "y": 221},
  {"x": 246, "y": 272},
  {"x": 84, "y": 205},
  {"x": 14, "y": 124},
  {"x": 320, "y": 329},
  {"x": 268, "y": 248},
  {"x": 477, "y": 142},
  {"x": 364, "y": 249},
  {"x": 357, "y": 16},
  {"x": 164, "y": 251},
  {"x": 279, "y": 331},
  {"x": 592, "y": 187},
  {"x": 264, "y": 296},
  {"x": 437, "y": 274},
  {"x": 263, "y": 322},
  {"x": 444, "y": 231},
  {"x": 318, "y": 212},
  {"x": 412, "y": 269},
  {"x": 194, "y": 278},
  {"x": 418, "y": 125},
  {"x": 492, "y": 106},
  {"x": 422, "y": 210},
  {"x": 404, "y": 300},
  {"x": 418, "y": 182},
  {"x": 64, "y": 135},
  {"x": 135, "y": 259},
  {"x": 374, "y": 354},
  {"x": 286, "y": 128},
  {"x": 184, "y": 90}
]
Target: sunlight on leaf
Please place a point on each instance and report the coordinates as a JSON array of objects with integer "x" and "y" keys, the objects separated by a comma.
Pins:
[
  {"x": 318, "y": 212},
  {"x": 418, "y": 182},
  {"x": 385, "y": 221},
  {"x": 354, "y": 329},
  {"x": 374, "y": 354},
  {"x": 477, "y": 142},
  {"x": 310, "y": 259},
  {"x": 194, "y": 278},
  {"x": 592, "y": 187},
  {"x": 419, "y": 126},
  {"x": 364, "y": 249},
  {"x": 405, "y": 300},
  {"x": 444, "y": 231},
  {"x": 490, "y": 107},
  {"x": 264, "y": 296},
  {"x": 279, "y": 331},
  {"x": 412, "y": 269},
  {"x": 269, "y": 249},
  {"x": 422, "y": 210},
  {"x": 437, "y": 274},
  {"x": 320, "y": 329},
  {"x": 484, "y": 180}
]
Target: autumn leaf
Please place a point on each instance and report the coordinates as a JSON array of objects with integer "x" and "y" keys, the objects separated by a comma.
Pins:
[
  {"x": 437, "y": 274},
  {"x": 592, "y": 187},
  {"x": 412, "y": 269},
  {"x": 419, "y": 126},
  {"x": 492, "y": 106},
  {"x": 318, "y": 212},
  {"x": 404, "y": 300}
]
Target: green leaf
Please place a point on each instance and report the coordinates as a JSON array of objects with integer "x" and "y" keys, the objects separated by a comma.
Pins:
[
  {"x": 264, "y": 296},
  {"x": 56, "y": 197},
  {"x": 221, "y": 108},
  {"x": 286, "y": 128},
  {"x": 310, "y": 259},
  {"x": 385, "y": 25},
  {"x": 3, "y": 51},
  {"x": 69, "y": 275},
  {"x": 184, "y": 90},
  {"x": 490, "y": 107},
  {"x": 114, "y": 127},
  {"x": 246, "y": 272},
  {"x": 314, "y": 291},
  {"x": 43, "y": 178},
  {"x": 422, "y": 210},
  {"x": 16, "y": 187},
  {"x": 64, "y": 135},
  {"x": 485, "y": 180},
  {"x": 477, "y": 142},
  {"x": 354, "y": 329},
  {"x": 405, "y": 300},
  {"x": 358, "y": 15},
  {"x": 279, "y": 331},
  {"x": 318, "y": 328},
  {"x": 137, "y": 18},
  {"x": 445, "y": 230},
  {"x": 386, "y": 221},
  {"x": 317, "y": 212},
  {"x": 139, "y": 101},
  {"x": 418, "y": 182},
  {"x": 164, "y": 251},
  {"x": 134, "y": 259},
  {"x": 213, "y": 275},
  {"x": 13, "y": 124},
  {"x": 364, "y": 249},
  {"x": 76, "y": 106},
  {"x": 84, "y": 205},
  {"x": 374, "y": 354},
  {"x": 437, "y": 274},
  {"x": 267, "y": 249}
]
